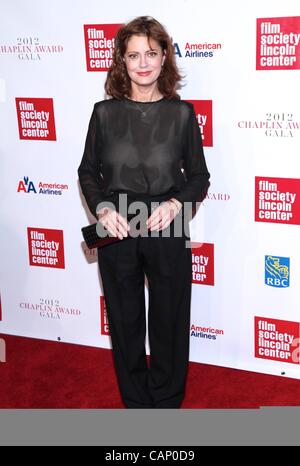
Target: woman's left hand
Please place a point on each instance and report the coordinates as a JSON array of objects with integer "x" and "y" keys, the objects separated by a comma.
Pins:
[{"x": 163, "y": 215}]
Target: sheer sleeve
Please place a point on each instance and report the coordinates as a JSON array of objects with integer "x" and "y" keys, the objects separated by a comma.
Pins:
[
  {"x": 194, "y": 164},
  {"x": 90, "y": 178}
]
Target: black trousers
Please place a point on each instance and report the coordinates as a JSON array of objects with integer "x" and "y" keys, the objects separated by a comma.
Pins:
[{"x": 167, "y": 264}]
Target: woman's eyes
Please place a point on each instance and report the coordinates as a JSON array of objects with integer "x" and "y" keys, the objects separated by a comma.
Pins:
[{"x": 152, "y": 54}]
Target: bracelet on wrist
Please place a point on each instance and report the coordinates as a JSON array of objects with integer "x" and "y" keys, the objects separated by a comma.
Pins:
[{"x": 173, "y": 202}]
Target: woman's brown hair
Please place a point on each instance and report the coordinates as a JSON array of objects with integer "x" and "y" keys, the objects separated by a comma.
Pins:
[{"x": 118, "y": 83}]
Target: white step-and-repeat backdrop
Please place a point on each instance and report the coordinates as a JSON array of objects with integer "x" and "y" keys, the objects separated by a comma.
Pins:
[{"x": 241, "y": 63}]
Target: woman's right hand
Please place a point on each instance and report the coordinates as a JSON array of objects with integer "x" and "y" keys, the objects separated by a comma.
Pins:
[{"x": 113, "y": 222}]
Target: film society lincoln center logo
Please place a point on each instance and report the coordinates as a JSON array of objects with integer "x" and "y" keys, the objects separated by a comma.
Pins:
[
  {"x": 277, "y": 340},
  {"x": 203, "y": 111},
  {"x": 46, "y": 248},
  {"x": 278, "y": 43},
  {"x": 277, "y": 200},
  {"x": 99, "y": 45},
  {"x": 36, "y": 118},
  {"x": 203, "y": 264},
  {"x": 104, "y": 330}
]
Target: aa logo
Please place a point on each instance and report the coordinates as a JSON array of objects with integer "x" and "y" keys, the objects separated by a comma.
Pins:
[
  {"x": 26, "y": 186},
  {"x": 277, "y": 271}
]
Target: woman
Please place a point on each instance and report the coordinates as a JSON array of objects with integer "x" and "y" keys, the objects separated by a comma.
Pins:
[{"x": 136, "y": 143}]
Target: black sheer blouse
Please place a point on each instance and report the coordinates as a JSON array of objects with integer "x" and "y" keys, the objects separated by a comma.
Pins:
[{"x": 142, "y": 147}]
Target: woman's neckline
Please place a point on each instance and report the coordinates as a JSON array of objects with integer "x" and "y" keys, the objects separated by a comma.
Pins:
[{"x": 140, "y": 102}]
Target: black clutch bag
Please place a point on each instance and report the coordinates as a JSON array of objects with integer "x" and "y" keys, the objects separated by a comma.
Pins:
[{"x": 93, "y": 240}]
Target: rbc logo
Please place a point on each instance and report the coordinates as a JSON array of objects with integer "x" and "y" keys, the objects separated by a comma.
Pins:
[{"x": 277, "y": 271}]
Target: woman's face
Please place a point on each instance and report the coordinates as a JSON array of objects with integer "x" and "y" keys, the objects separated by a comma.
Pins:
[{"x": 143, "y": 65}]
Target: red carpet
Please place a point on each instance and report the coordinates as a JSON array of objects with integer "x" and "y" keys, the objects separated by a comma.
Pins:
[{"x": 42, "y": 374}]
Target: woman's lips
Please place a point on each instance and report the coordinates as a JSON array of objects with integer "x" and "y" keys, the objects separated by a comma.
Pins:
[{"x": 145, "y": 73}]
